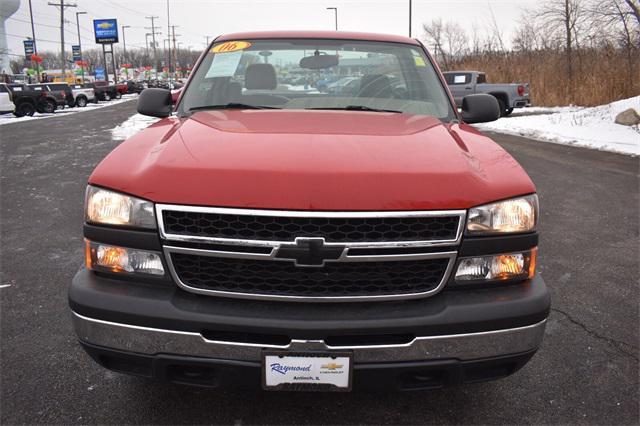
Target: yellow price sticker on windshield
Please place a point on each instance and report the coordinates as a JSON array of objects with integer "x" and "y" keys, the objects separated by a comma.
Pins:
[
  {"x": 419, "y": 61},
  {"x": 230, "y": 46}
]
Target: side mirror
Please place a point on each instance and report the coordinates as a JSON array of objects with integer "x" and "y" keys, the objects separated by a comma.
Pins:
[
  {"x": 175, "y": 95},
  {"x": 155, "y": 102},
  {"x": 480, "y": 108}
]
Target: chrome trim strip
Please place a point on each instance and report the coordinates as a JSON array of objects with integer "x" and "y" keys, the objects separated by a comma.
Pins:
[
  {"x": 451, "y": 255},
  {"x": 461, "y": 214},
  {"x": 151, "y": 341}
]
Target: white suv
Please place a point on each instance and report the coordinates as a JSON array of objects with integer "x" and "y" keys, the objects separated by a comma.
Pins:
[{"x": 6, "y": 101}]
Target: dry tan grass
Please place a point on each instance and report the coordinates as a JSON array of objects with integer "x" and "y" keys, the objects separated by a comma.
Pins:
[{"x": 599, "y": 76}]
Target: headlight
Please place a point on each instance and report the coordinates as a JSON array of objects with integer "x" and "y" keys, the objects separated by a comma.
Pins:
[
  {"x": 108, "y": 258},
  {"x": 500, "y": 267},
  {"x": 112, "y": 208},
  {"x": 509, "y": 216}
]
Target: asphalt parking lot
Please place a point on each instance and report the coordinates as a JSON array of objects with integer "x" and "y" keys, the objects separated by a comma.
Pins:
[{"x": 585, "y": 373}]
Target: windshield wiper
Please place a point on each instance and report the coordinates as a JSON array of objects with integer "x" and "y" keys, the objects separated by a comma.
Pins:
[
  {"x": 358, "y": 108},
  {"x": 231, "y": 105}
]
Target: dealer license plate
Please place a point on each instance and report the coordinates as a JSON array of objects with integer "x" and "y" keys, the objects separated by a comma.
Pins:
[{"x": 307, "y": 371}]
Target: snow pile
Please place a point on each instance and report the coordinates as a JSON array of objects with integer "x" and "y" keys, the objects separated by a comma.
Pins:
[
  {"x": 132, "y": 126},
  {"x": 586, "y": 127}
]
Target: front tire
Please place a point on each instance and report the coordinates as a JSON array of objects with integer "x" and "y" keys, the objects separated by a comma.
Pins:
[
  {"x": 81, "y": 102},
  {"x": 106, "y": 97},
  {"x": 48, "y": 107},
  {"x": 118, "y": 95},
  {"x": 503, "y": 108},
  {"x": 25, "y": 108}
]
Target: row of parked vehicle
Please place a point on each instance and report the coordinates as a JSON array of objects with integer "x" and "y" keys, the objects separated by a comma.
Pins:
[{"x": 27, "y": 99}]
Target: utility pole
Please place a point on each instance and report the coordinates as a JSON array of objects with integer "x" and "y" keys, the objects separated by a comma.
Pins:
[
  {"x": 153, "y": 39},
  {"x": 33, "y": 31},
  {"x": 410, "y": 18},
  {"x": 146, "y": 42},
  {"x": 62, "y": 7},
  {"x": 335, "y": 9},
  {"x": 173, "y": 38},
  {"x": 169, "y": 36},
  {"x": 208, "y": 37},
  {"x": 80, "y": 42},
  {"x": 165, "y": 44}
]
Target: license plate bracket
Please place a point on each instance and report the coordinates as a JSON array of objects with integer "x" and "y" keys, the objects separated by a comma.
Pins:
[{"x": 307, "y": 371}]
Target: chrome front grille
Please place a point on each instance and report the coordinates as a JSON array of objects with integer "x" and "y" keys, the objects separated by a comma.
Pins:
[
  {"x": 288, "y": 228},
  {"x": 309, "y": 256}
]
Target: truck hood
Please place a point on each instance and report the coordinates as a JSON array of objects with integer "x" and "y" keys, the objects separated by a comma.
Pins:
[{"x": 313, "y": 160}]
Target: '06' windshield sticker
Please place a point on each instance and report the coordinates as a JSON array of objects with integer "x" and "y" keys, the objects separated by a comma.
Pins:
[{"x": 230, "y": 46}]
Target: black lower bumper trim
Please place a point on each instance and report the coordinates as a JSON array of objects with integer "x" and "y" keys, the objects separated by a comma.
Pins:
[{"x": 214, "y": 373}]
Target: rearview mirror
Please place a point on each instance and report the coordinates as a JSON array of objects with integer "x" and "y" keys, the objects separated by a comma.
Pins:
[
  {"x": 155, "y": 102},
  {"x": 480, "y": 108},
  {"x": 318, "y": 61}
]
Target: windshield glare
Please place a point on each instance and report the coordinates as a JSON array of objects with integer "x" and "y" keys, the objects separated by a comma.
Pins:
[{"x": 318, "y": 74}]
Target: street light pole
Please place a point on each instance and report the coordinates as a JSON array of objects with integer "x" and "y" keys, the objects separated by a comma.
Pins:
[
  {"x": 410, "y": 18},
  {"x": 335, "y": 9},
  {"x": 169, "y": 36},
  {"x": 80, "y": 41},
  {"x": 124, "y": 48},
  {"x": 124, "y": 43}
]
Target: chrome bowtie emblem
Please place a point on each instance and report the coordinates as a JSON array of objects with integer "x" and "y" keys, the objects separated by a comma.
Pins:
[{"x": 309, "y": 251}]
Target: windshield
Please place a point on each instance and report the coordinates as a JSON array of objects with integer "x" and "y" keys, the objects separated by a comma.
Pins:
[{"x": 317, "y": 74}]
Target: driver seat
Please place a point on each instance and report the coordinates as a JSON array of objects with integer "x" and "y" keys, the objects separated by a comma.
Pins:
[
  {"x": 375, "y": 86},
  {"x": 261, "y": 77}
]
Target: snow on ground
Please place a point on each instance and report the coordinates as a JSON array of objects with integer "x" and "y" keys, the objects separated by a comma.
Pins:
[
  {"x": 544, "y": 110},
  {"x": 585, "y": 127},
  {"x": 131, "y": 126},
  {"x": 10, "y": 118}
]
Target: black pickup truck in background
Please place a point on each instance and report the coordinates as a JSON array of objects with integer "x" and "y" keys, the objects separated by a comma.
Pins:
[
  {"x": 29, "y": 99},
  {"x": 103, "y": 90},
  {"x": 53, "y": 98},
  {"x": 64, "y": 87}
]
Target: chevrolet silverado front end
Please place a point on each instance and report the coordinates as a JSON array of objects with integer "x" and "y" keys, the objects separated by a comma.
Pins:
[{"x": 268, "y": 233}]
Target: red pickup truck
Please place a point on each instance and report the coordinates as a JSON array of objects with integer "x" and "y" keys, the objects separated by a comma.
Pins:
[{"x": 270, "y": 234}]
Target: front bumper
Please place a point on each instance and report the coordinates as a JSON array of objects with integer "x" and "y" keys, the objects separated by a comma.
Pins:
[
  {"x": 151, "y": 341},
  {"x": 143, "y": 328}
]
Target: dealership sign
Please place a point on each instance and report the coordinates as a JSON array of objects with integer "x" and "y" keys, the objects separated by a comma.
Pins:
[
  {"x": 77, "y": 54},
  {"x": 106, "y": 30},
  {"x": 100, "y": 74},
  {"x": 28, "y": 49}
]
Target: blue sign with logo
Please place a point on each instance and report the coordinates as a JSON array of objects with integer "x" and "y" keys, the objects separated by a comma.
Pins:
[
  {"x": 77, "y": 54},
  {"x": 100, "y": 75},
  {"x": 28, "y": 49},
  {"x": 106, "y": 30}
]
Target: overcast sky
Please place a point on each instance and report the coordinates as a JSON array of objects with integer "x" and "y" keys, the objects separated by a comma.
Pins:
[{"x": 197, "y": 19}]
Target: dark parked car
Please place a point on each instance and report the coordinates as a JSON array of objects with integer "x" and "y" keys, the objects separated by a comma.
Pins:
[
  {"x": 134, "y": 86},
  {"x": 103, "y": 90},
  {"x": 66, "y": 89},
  {"x": 29, "y": 99},
  {"x": 54, "y": 98}
]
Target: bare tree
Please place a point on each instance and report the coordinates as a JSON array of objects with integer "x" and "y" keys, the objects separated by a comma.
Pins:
[
  {"x": 566, "y": 19},
  {"x": 449, "y": 40},
  {"x": 618, "y": 24},
  {"x": 634, "y": 5},
  {"x": 434, "y": 35}
]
